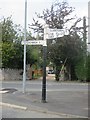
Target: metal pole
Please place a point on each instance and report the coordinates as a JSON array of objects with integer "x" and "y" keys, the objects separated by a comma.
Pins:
[
  {"x": 24, "y": 71},
  {"x": 89, "y": 27},
  {"x": 44, "y": 76},
  {"x": 44, "y": 67},
  {"x": 85, "y": 44}
]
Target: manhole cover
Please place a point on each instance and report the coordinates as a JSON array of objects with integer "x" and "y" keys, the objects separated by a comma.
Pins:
[{"x": 8, "y": 90}]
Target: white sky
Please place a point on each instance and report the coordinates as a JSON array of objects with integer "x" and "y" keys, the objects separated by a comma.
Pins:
[{"x": 16, "y": 8}]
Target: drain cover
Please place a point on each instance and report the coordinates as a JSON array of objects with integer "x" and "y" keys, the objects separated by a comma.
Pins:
[{"x": 8, "y": 90}]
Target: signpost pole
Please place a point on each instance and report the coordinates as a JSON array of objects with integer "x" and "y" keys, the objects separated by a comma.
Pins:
[
  {"x": 44, "y": 76},
  {"x": 44, "y": 67},
  {"x": 24, "y": 71}
]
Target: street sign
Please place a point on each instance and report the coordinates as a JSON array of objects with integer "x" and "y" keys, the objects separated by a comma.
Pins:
[
  {"x": 34, "y": 42},
  {"x": 56, "y": 30},
  {"x": 55, "y": 33}
]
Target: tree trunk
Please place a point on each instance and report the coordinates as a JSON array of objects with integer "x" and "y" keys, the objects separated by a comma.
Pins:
[
  {"x": 68, "y": 68},
  {"x": 57, "y": 73}
]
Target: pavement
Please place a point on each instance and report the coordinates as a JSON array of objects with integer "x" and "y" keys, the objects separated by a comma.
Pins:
[
  {"x": 32, "y": 102},
  {"x": 53, "y": 108}
]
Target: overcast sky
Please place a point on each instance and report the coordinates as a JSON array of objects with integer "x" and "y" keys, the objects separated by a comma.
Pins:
[{"x": 16, "y": 8}]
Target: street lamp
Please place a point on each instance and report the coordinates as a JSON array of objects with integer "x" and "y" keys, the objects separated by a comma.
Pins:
[{"x": 25, "y": 26}]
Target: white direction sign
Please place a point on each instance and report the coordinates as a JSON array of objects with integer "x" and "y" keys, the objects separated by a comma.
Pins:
[
  {"x": 57, "y": 30},
  {"x": 55, "y": 33},
  {"x": 34, "y": 42}
]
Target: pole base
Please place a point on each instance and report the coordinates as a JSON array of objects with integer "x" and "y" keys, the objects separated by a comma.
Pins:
[{"x": 43, "y": 101}]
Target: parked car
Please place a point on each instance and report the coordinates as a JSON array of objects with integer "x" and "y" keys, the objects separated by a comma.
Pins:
[{"x": 51, "y": 72}]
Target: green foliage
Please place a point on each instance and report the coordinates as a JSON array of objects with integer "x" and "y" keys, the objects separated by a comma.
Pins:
[
  {"x": 32, "y": 55},
  {"x": 8, "y": 31},
  {"x": 83, "y": 69},
  {"x": 0, "y": 45},
  {"x": 12, "y": 50},
  {"x": 57, "y": 73},
  {"x": 12, "y": 55},
  {"x": 88, "y": 72},
  {"x": 69, "y": 47}
]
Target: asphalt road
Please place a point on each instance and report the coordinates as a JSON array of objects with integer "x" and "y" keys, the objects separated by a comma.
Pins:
[
  {"x": 35, "y": 85},
  {"x": 65, "y": 99}
]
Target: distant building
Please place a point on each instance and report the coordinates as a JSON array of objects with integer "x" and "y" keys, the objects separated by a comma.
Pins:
[{"x": 89, "y": 26}]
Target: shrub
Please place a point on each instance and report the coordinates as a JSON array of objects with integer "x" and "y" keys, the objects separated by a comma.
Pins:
[{"x": 82, "y": 69}]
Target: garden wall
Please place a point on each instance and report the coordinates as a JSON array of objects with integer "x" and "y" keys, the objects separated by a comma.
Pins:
[{"x": 12, "y": 74}]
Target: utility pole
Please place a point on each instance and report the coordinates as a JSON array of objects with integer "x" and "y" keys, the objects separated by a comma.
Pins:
[
  {"x": 89, "y": 27},
  {"x": 84, "y": 29},
  {"x": 85, "y": 35},
  {"x": 85, "y": 44},
  {"x": 25, "y": 36}
]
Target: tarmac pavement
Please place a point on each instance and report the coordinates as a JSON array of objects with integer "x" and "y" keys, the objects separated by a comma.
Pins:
[
  {"x": 21, "y": 101},
  {"x": 56, "y": 107},
  {"x": 60, "y": 104}
]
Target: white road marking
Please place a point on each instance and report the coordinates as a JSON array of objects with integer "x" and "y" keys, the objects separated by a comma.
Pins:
[
  {"x": 42, "y": 111},
  {"x": 3, "y": 91},
  {"x": 13, "y": 106}
]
